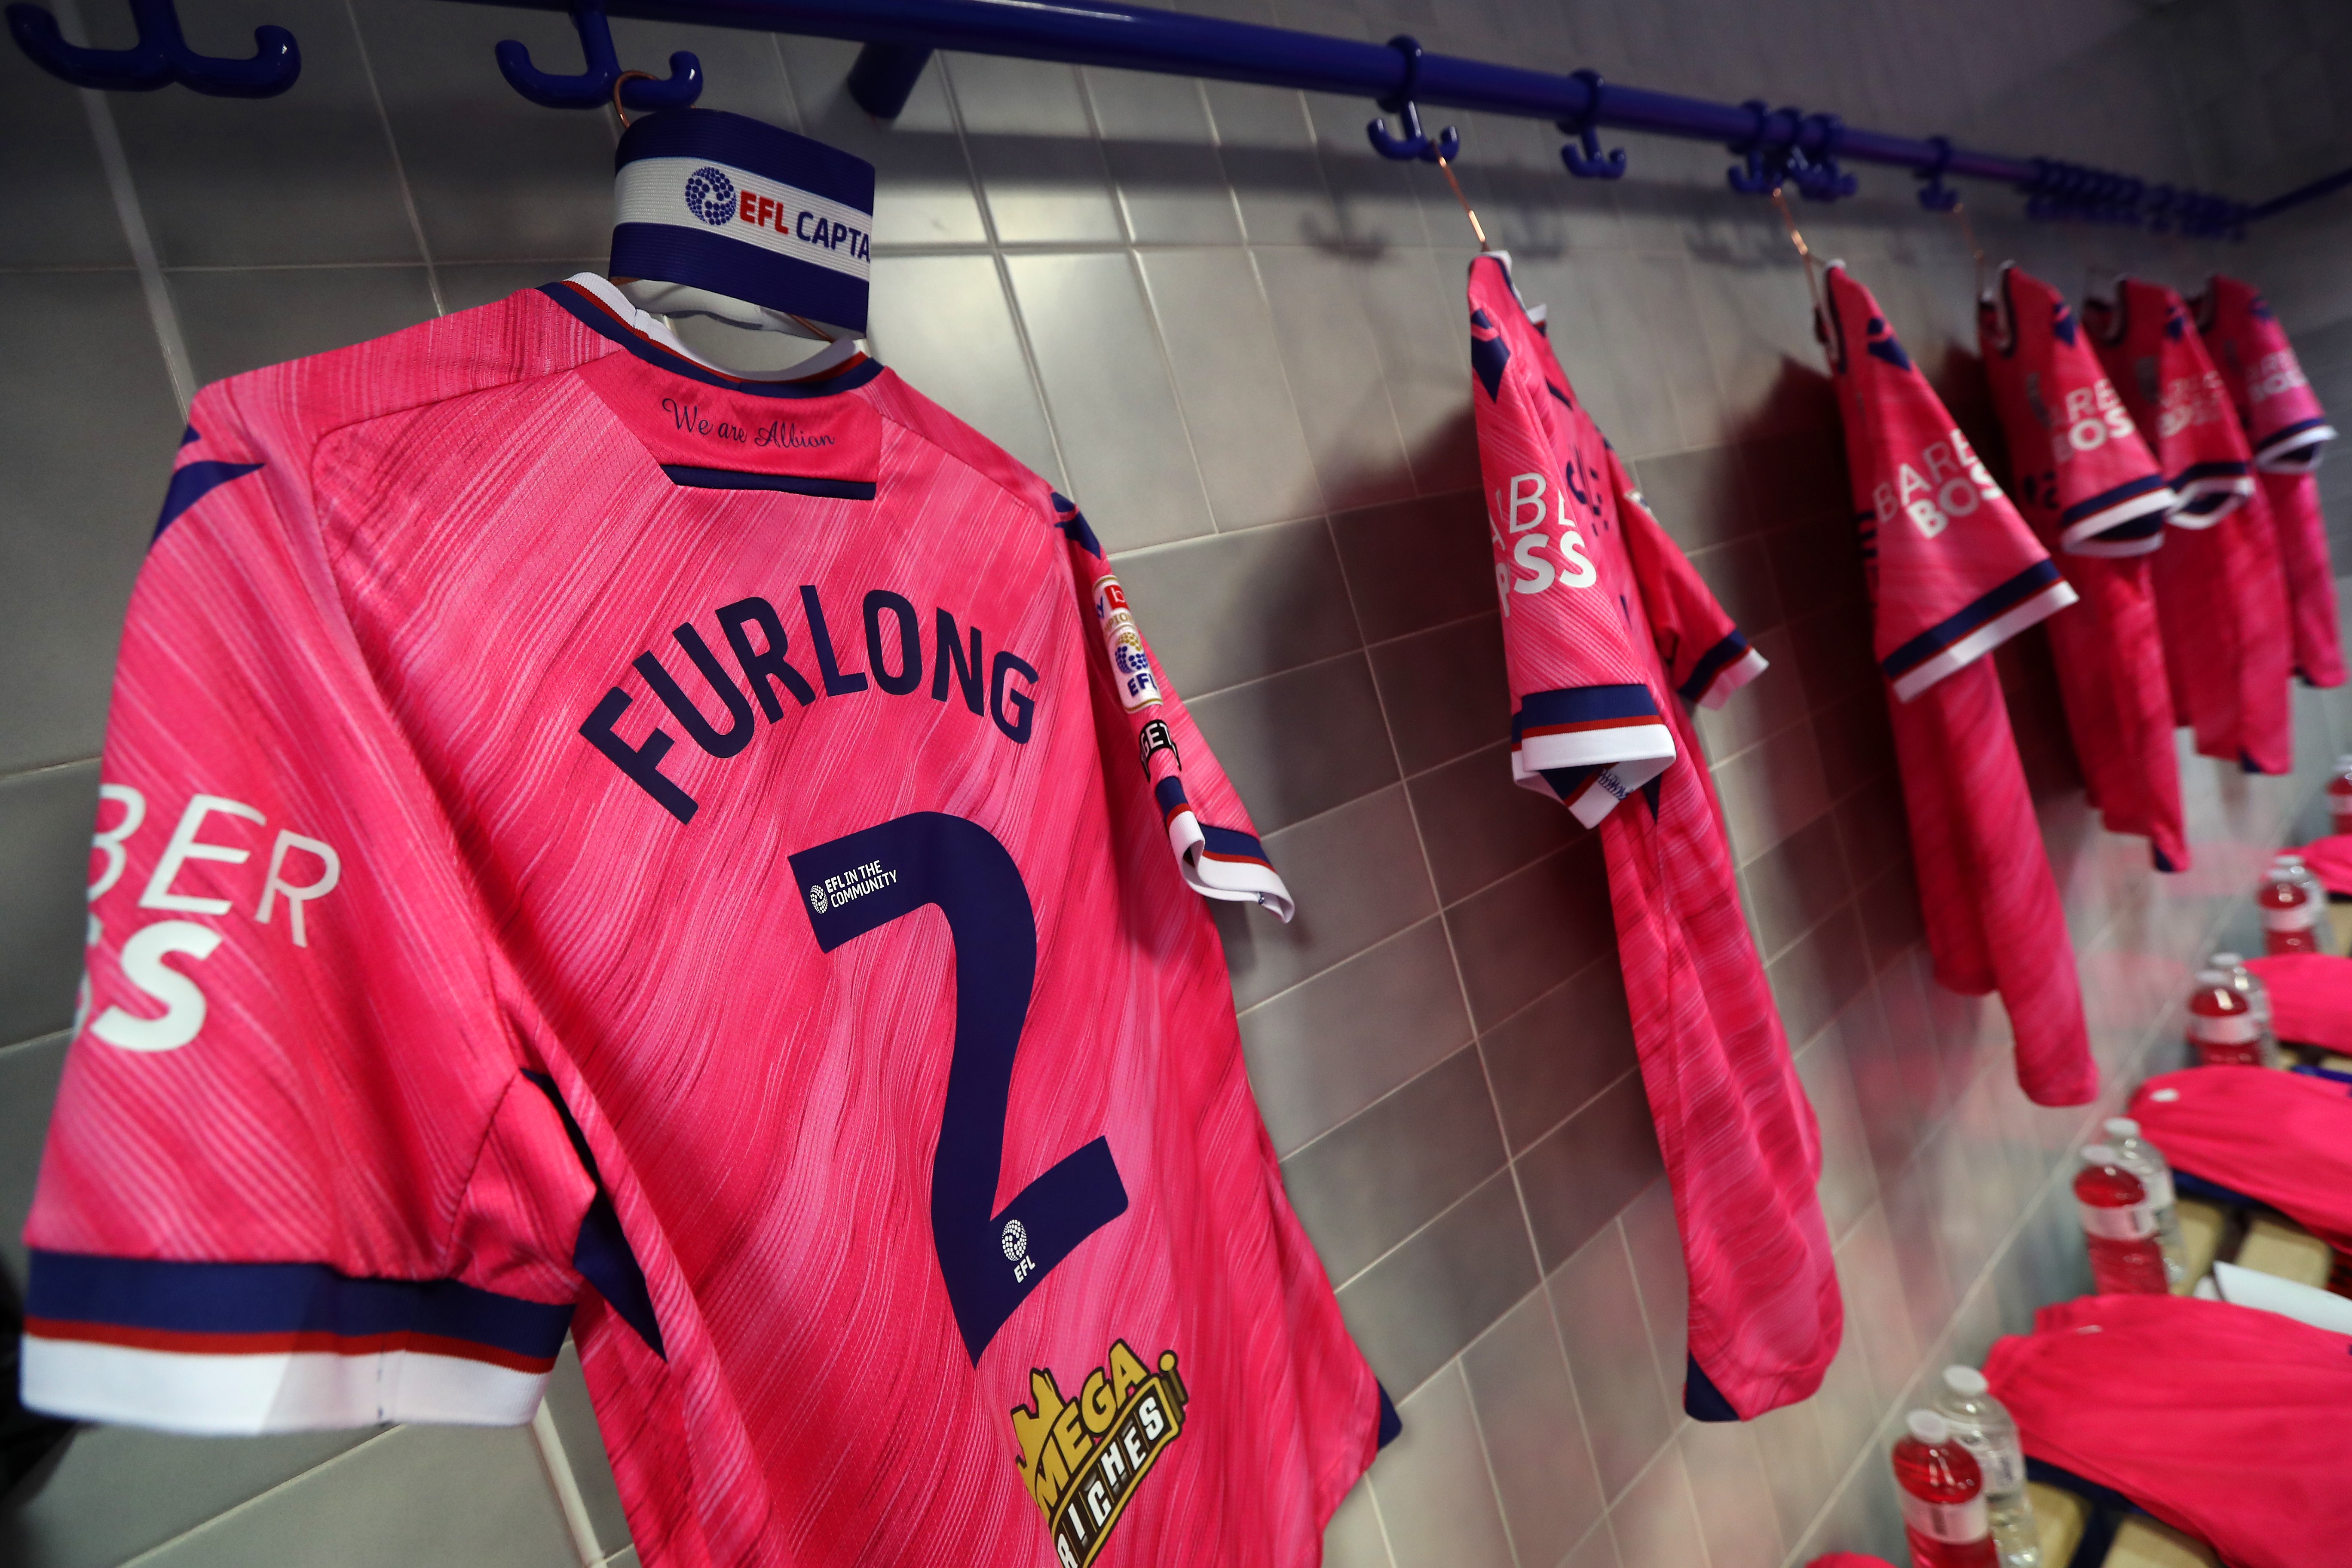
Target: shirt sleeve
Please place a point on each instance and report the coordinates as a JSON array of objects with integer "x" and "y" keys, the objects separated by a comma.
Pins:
[
  {"x": 299, "y": 1174},
  {"x": 1586, "y": 726},
  {"x": 1706, "y": 656},
  {"x": 1216, "y": 844}
]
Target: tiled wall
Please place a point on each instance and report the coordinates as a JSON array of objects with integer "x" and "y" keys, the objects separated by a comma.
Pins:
[{"x": 1235, "y": 336}]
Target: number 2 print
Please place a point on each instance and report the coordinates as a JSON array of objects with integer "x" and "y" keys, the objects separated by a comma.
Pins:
[{"x": 861, "y": 882}]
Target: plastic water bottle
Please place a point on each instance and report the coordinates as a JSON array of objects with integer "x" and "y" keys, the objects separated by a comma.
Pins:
[
  {"x": 2118, "y": 1228},
  {"x": 2293, "y": 863},
  {"x": 2146, "y": 1161},
  {"x": 1943, "y": 1498},
  {"x": 1983, "y": 1428},
  {"x": 2221, "y": 1027},
  {"x": 2290, "y": 914},
  {"x": 2248, "y": 984},
  {"x": 2339, "y": 796}
]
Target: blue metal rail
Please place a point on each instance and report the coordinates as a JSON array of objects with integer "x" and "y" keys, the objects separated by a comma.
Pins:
[{"x": 1776, "y": 145}]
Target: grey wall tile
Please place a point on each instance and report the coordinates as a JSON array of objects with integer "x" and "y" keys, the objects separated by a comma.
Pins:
[
  {"x": 583, "y": 1447},
  {"x": 82, "y": 1514},
  {"x": 1849, "y": 1179},
  {"x": 1600, "y": 1315},
  {"x": 239, "y": 321},
  {"x": 1162, "y": 158},
  {"x": 1335, "y": 377},
  {"x": 1771, "y": 790},
  {"x": 923, "y": 191},
  {"x": 1268, "y": 151},
  {"x": 1124, "y": 441},
  {"x": 1793, "y": 886},
  {"x": 309, "y": 174},
  {"x": 1796, "y": 1465},
  {"x": 1354, "y": 1538},
  {"x": 1434, "y": 1480},
  {"x": 1820, "y": 974},
  {"x": 1356, "y": 880},
  {"x": 942, "y": 321},
  {"x": 1596, "y": 1550},
  {"x": 1655, "y": 1244},
  {"x": 1703, "y": 496},
  {"x": 60, "y": 212},
  {"x": 75, "y": 517},
  {"x": 1533, "y": 1432},
  {"x": 1418, "y": 307},
  {"x": 1240, "y": 607},
  {"x": 429, "y": 1494},
  {"x": 1301, "y": 742},
  {"x": 547, "y": 192},
  {"x": 1446, "y": 691},
  {"x": 1245, "y": 430},
  {"x": 45, "y": 820},
  {"x": 1477, "y": 823},
  {"x": 1553, "y": 1055},
  {"x": 1522, "y": 935},
  {"x": 28, "y": 1086},
  {"x": 1323, "y": 1050},
  {"x": 1577, "y": 1178},
  {"x": 1414, "y": 1310},
  {"x": 465, "y": 284},
  {"x": 1655, "y": 1522},
  {"x": 1370, "y": 1183},
  {"x": 1418, "y": 563},
  {"x": 1733, "y": 1494},
  {"x": 1033, "y": 145}
]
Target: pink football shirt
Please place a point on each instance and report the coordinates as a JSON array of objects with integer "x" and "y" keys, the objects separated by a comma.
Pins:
[
  {"x": 590, "y": 841},
  {"x": 2085, "y": 480},
  {"x": 1605, "y": 622},
  {"x": 2311, "y": 992},
  {"x": 2221, "y": 600},
  {"x": 2282, "y": 1138},
  {"x": 1954, "y": 572},
  {"x": 2226, "y": 1422},
  {"x": 2289, "y": 432}
]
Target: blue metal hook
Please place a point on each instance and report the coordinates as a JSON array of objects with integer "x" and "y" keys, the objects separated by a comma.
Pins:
[
  {"x": 1415, "y": 143},
  {"x": 592, "y": 89},
  {"x": 159, "y": 58},
  {"x": 1817, "y": 174},
  {"x": 1584, "y": 156},
  {"x": 1765, "y": 168},
  {"x": 1936, "y": 195}
]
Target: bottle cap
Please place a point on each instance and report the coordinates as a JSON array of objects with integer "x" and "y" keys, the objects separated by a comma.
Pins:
[
  {"x": 2287, "y": 858},
  {"x": 2227, "y": 960},
  {"x": 2098, "y": 1155},
  {"x": 2213, "y": 977},
  {"x": 1966, "y": 1380},
  {"x": 1929, "y": 1428},
  {"x": 2121, "y": 1127}
]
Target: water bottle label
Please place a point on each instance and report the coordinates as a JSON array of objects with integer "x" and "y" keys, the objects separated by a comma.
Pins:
[
  {"x": 2133, "y": 1222},
  {"x": 2301, "y": 917},
  {"x": 1959, "y": 1523},
  {"x": 2161, "y": 1196},
  {"x": 2003, "y": 1466},
  {"x": 2229, "y": 1029}
]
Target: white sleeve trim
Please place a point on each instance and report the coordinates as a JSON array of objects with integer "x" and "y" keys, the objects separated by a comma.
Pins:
[
  {"x": 2083, "y": 539},
  {"x": 1986, "y": 638},
  {"x": 1215, "y": 876},
  {"x": 2298, "y": 453},
  {"x": 2232, "y": 494},
  {"x": 291, "y": 1391},
  {"x": 1599, "y": 797},
  {"x": 1734, "y": 675}
]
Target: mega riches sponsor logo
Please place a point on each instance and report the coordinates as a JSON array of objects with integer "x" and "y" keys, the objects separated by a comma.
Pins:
[{"x": 1082, "y": 1458}]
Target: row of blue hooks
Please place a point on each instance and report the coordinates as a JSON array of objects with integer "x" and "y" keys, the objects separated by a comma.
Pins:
[{"x": 1782, "y": 147}]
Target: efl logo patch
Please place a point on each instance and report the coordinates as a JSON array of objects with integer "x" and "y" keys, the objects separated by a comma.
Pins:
[
  {"x": 1082, "y": 1459},
  {"x": 710, "y": 196}
]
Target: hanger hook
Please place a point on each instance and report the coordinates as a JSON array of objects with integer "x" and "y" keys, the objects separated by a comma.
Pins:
[
  {"x": 1817, "y": 174},
  {"x": 1415, "y": 143},
  {"x": 1764, "y": 168},
  {"x": 160, "y": 57},
  {"x": 602, "y": 82},
  {"x": 1936, "y": 195},
  {"x": 1584, "y": 156}
]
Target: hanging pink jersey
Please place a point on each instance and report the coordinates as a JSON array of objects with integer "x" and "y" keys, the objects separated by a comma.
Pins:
[
  {"x": 2088, "y": 484},
  {"x": 2310, "y": 996},
  {"x": 1596, "y": 652},
  {"x": 2289, "y": 432},
  {"x": 589, "y": 841},
  {"x": 1954, "y": 572},
  {"x": 2221, "y": 600},
  {"x": 2227, "y": 1422},
  {"x": 2283, "y": 1137}
]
